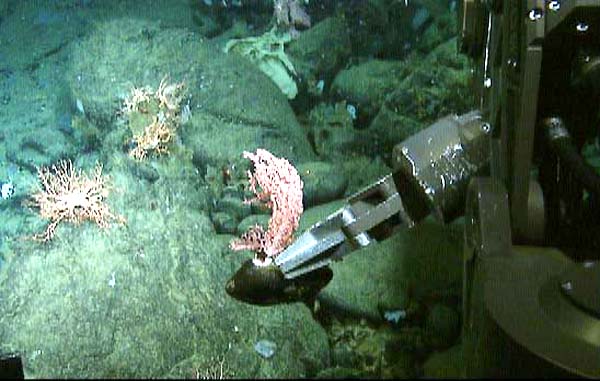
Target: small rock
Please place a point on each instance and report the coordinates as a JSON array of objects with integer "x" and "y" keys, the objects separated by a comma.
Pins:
[
  {"x": 442, "y": 327},
  {"x": 265, "y": 348},
  {"x": 323, "y": 182},
  {"x": 234, "y": 206},
  {"x": 394, "y": 316},
  {"x": 224, "y": 223}
]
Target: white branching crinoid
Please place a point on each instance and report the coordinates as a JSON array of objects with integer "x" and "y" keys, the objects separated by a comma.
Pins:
[
  {"x": 137, "y": 96},
  {"x": 169, "y": 95},
  {"x": 69, "y": 194}
]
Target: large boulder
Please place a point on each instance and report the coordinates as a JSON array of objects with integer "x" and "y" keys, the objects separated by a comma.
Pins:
[
  {"x": 147, "y": 299},
  {"x": 233, "y": 105},
  {"x": 367, "y": 84},
  {"x": 319, "y": 53}
]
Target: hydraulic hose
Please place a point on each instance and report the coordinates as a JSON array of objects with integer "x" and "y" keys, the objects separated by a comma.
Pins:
[{"x": 562, "y": 145}]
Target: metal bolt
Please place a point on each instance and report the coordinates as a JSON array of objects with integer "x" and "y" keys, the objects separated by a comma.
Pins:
[
  {"x": 554, "y": 5},
  {"x": 582, "y": 27},
  {"x": 535, "y": 14}
]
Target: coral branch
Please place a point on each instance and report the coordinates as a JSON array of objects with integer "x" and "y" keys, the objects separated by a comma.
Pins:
[{"x": 276, "y": 184}]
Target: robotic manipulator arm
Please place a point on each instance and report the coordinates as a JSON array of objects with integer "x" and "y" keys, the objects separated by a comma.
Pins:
[
  {"x": 432, "y": 171},
  {"x": 525, "y": 141}
]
